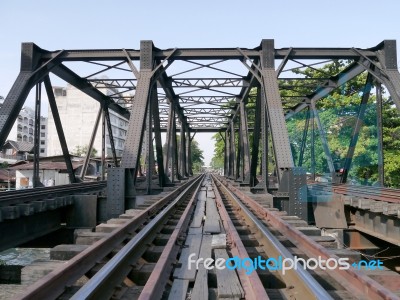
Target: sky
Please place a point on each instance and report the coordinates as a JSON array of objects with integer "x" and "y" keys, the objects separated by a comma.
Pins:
[{"x": 91, "y": 24}]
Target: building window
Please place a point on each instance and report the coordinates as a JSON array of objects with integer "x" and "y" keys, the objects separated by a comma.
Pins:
[
  {"x": 42, "y": 142},
  {"x": 43, "y": 134},
  {"x": 19, "y": 138},
  {"x": 20, "y": 118},
  {"x": 42, "y": 150},
  {"x": 43, "y": 127},
  {"x": 25, "y": 138},
  {"x": 30, "y": 139},
  {"x": 19, "y": 127},
  {"x": 25, "y": 129},
  {"x": 60, "y": 92},
  {"x": 31, "y": 122},
  {"x": 26, "y": 120},
  {"x": 30, "y": 131}
]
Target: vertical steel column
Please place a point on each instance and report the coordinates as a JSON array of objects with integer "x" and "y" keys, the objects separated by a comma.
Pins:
[
  {"x": 256, "y": 140},
  {"x": 36, "y": 179},
  {"x": 263, "y": 184},
  {"x": 175, "y": 164},
  {"x": 188, "y": 151},
  {"x": 168, "y": 153},
  {"x": 276, "y": 118},
  {"x": 391, "y": 79},
  {"x": 379, "y": 111},
  {"x": 59, "y": 128},
  {"x": 226, "y": 154},
  {"x": 312, "y": 144},
  {"x": 103, "y": 145},
  {"x": 110, "y": 135},
  {"x": 182, "y": 151},
  {"x": 304, "y": 139},
  {"x": 150, "y": 152},
  {"x": 133, "y": 143},
  {"x": 357, "y": 128},
  {"x": 90, "y": 147},
  {"x": 238, "y": 156},
  {"x": 265, "y": 144},
  {"x": 232, "y": 151},
  {"x": 162, "y": 179},
  {"x": 245, "y": 140}
]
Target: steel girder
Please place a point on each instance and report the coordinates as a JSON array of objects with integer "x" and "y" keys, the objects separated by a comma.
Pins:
[
  {"x": 59, "y": 128},
  {"x": 276, "y": 119}
]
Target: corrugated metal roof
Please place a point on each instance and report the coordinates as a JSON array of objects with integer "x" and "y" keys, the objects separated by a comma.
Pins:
[
  {"x": 21, "y": 146},
  {"x": 47, "y": 166}
]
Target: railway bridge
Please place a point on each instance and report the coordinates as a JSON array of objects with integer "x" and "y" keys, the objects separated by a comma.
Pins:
[{"x": 284, "y": 192}]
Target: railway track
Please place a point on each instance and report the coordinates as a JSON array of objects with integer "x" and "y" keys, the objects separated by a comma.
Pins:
[
  {"x": 179, "y": 248},
  {"x": 365, "y": 192}
]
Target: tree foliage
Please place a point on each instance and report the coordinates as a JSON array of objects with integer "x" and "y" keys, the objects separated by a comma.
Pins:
[
  {"x": 82, "y": 151},
  {"x": 197, "y": 157},
  {"x": 338, "y": 114}
]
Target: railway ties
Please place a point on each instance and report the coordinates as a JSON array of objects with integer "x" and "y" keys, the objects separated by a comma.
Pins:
[{"x": 199, "y": 242}]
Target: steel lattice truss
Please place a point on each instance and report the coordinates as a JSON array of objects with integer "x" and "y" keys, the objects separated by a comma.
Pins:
[{"x": 207, "y": 90}]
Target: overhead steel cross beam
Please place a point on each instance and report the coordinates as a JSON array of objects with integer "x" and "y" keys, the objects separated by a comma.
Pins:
[{"x": 210, "y": 54}]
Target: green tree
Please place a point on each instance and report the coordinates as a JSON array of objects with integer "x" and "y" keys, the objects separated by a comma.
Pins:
[
  {"x": 82, "y": 150},
  {"x": 197, "y": 157},
  {"x": 338, "y": 114}
]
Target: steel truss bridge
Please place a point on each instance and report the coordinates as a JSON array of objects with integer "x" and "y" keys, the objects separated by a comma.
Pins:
[{"x": 247, "y": 95}]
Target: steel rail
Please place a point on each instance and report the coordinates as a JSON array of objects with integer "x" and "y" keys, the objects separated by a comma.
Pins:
[
  {"x": 28, "y": 195},
  {"x": 252, "y": 285},
  {"x": 354, "y": 281},
  {"x": 53, "y": 284},
  {"x": 154, "y": 286},
  {"x": 102, "y": 284},
  {"x": 300, "y": 279},
  {"x": 369, "y": 192}
]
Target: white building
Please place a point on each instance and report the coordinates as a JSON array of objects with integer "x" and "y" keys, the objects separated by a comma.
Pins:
[
  {"x": 23, "y": 129},
  {"x": 78, "y": 114}
]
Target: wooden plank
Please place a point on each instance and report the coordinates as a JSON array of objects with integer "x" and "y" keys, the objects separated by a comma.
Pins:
[
  {"x": 195, "y": 230},
  {"x": 228, "y": 283},
  {"x": 179, "y": 289},
  {"x": 210, "y": 194},
  {"x": 198, "y": 214},
  {"x": 200, "y": 289},
  {"x": 202, "y": 195},
  {"x": 193, "y": 243},
  {"x": 205, "y": 249},
  {"x": 211, "y": 224}
]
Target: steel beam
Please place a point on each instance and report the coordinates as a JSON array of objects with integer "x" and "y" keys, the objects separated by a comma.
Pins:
[
  {"x": 211, "y": 54},
  {"x": 256, "y": 140},
  {"x": 304, "y": 139},
  {"x": 381, "y": 157},
  {"x": 30, "y": 74},
  {"x": 134, "y": 137},
  {"x": 91, "y": 142},
  {"x": 182, "y": 152},
  {"x": 59, "y": 128},
  {"x": 232, "y": 163},
  {"x": 162, "y": 178},
  {"x": 110, "y": 136},
  {"x": 279, "y": 133},
  {"x": 322, "y": 136},
  {"x": 36, "y": 152},
  {"x": 357, "y": 128},
  {"x": 245, "y": 140}
]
